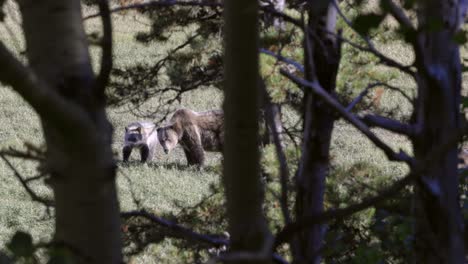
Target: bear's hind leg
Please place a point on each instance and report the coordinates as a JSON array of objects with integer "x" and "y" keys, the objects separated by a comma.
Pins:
[
  {"x": 145, "y": 153},
  {"x": 194, "y": 153}
]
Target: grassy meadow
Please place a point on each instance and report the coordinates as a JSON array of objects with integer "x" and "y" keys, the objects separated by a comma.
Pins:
[{"x": 164, "y": 186}]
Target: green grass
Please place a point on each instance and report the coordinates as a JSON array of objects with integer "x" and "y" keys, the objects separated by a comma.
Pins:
[{"x": 166, "y": 185}]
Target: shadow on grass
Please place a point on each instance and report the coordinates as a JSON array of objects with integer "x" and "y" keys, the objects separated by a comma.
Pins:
[
  {"x": 206, "y": 217},
  {"x": 169, "y": 166}
]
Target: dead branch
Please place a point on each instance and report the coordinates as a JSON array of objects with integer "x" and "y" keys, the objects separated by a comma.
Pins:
[
  {"x": 361, "y": 96},
  {"x": 289, "y": 230},
  {"x": 418, "y": 169},
  {"x": 215, "y": 240},
  {"x": 352, "y": 119},
  {"x": 279, "y": 57},
  {"x": 388, "y": 124},
  {"x": 371, "y": 47},
  {"x": 399, "y": 15}
]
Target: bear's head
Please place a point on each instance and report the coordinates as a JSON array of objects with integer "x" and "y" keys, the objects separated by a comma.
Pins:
[
  {"x": 134, "y": 134},
  {"x": 168, "y": 138}
]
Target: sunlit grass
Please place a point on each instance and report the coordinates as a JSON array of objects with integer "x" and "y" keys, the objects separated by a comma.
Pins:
[{"x": 165, "y": 185}]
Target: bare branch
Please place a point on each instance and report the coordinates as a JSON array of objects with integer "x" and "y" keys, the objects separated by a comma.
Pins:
[
  {"x": 106, "y": 60},
  {"x": 272, "y": 11},
  {"x": 370, "y": 46},
  {"x": 373, "y": 85},
  {"x": 399, "y": 14},
  {"x": 32, "y": 194},
  {"x": 388, "y": 124},
  {"x": 46, "y": 102},
  {"x": 333, "y": 103},
  {"x": 278, "y": 56},
  {"x": 161, "y": 3},
  {"x": 215, "y": 240},
  {"x": 418, "y": 169},
  {"x": 336, "y": 214},
  {"x": 361, "y": 96}
]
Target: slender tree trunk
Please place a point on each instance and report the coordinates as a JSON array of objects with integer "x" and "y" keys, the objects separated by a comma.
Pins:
[
  {"x": 279, "y": 6},
  {"x": 318, "y": 127},
  {"x": 439, "y": 226},
  {"x": 79, "y": 157},
  {"x": 244, "y": 194}
]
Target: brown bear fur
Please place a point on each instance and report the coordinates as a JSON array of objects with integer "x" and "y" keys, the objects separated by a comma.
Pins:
[{"x": 195, "y": 132}]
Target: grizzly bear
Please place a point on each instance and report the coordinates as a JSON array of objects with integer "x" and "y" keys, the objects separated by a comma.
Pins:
[
  {"x": 196, "y": 132},
  {"x": 140, "y": 135}
]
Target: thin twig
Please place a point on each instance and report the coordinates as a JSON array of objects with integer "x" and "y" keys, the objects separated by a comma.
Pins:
[
  {"x": 373, "y": 85},
  {"x": 361, "y": 96},
  {"x": 279, "y": 57},
  {"x": 370, "y": 46}
]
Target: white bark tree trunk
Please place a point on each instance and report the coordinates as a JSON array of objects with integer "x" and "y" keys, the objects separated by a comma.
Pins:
[{"x": 79, "y": 154}]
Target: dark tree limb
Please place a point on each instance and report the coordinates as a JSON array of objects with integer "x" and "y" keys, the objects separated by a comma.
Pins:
[
  {"x": 279, "y": 57},
  {"x": 388, "y": 124},
  {"x": 47, "y": 102},
  {"x": 356, "y": 122},
  {"x": 399, "y": 15},
  {"x": 288, "y": 231}
]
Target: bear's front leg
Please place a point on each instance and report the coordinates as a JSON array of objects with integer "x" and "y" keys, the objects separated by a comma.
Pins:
[{"x": 127, "y": 150}]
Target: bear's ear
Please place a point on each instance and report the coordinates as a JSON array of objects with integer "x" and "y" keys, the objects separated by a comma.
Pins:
[
  {"x": 158, "y": 129},
  {"x": 139, "y": 129}
]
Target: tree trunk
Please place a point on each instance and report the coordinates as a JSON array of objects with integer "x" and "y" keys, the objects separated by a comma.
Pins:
[
  {"x": 439, "y": 226},
  {"x": 318, "y": 127},
  {"x": 243, "y": 187},
  {"x": 79, "y": 155}
]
